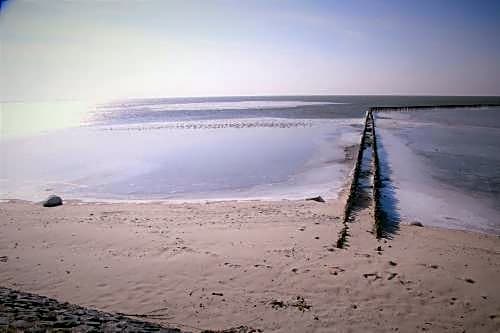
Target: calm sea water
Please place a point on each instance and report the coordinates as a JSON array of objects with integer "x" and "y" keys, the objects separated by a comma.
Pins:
[
  {"x": 444, "y": 165},
  {"x": 247, "y": 147},
  {"x": 177, "y": 149}
]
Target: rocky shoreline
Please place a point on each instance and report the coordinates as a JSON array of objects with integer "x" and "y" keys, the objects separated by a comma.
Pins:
[
  {"x": 20, "y": 311},
  {"x": 25, "y": 312}
]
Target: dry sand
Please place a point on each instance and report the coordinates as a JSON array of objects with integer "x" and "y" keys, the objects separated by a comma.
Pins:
[{"x": 268, "y": 265}]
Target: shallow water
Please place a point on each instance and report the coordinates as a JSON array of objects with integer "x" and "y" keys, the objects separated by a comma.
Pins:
[
  {"x": 186, "y": 148},
  {"x": 444, "y": 165},
  {"x": 258, "y": 158}
]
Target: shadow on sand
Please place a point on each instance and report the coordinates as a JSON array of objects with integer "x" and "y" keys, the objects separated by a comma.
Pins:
[{"x": 389, "y": 213}]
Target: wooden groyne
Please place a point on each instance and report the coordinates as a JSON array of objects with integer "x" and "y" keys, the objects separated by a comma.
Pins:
[
  {"x": 381, "y": 222},
  {"x": 381, "y": 218},
  {"x": 355, "y": 187},
  {"x": 351, "y": 195},
  {"x": 429, "y": 107}
]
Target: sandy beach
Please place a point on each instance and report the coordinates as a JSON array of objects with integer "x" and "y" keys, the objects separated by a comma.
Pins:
[
  {"x": 249, "y": 166},
  {"x": 268, "y": 265}
]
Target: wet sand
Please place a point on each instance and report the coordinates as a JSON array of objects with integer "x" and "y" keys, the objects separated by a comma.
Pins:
[{"x": 267, "y": 265}]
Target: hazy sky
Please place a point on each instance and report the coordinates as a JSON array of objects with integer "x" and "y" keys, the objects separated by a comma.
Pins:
[{"x": 109, "y": 49}]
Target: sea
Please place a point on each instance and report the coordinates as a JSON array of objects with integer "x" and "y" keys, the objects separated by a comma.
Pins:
[
  {"x": 442, "y": 166},
  {"x": 258, "y": 147}
]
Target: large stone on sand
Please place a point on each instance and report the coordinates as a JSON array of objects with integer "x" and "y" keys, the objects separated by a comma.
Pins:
[{"x": 53, "y": 201}]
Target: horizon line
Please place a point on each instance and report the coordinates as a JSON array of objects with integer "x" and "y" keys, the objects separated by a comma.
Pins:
[{"x": 235, "y": 96}]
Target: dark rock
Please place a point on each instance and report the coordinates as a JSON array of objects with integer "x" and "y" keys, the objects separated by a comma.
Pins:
[
  {"x": 93, "y": 323},
  {"x": 33, "y": 313},
  {"x": 417, "y": 224},
  {"x": 65, "y": 324},
  {"x": 20, "y": 324},
  {"x": 37, "y": 330},
  {"x": 53, "y": 201},
  {"x": 318, "y": 199},
  {"x": 84, "y": 329}
]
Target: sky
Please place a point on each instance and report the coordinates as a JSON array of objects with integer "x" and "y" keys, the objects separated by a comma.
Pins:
[{"x": 85, "y": 49}]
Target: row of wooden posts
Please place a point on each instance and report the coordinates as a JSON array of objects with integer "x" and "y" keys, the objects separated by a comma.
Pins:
[{"x": 380, "y": 216}]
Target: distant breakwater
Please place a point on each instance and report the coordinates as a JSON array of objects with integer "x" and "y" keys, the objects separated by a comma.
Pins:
[{"x": 429, "y": 107}]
